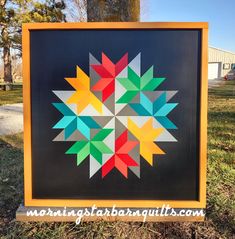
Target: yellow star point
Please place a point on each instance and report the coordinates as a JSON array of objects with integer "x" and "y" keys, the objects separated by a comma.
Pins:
[
  {"x": 83, "y": 96},
  {"x": 146, "y": 135}
]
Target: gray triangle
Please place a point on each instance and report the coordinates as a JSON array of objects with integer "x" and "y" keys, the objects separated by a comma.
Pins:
[
  {"x": 153, "y": 95},
  {"x": 127, "y": 111},
  {"x": 98, "y": 94},
  {"x": 59, "y": 137},
  {"x": 132, "y": 137},
  {"x": 76, "y": 136},
  {"x": 110, "y": 103},
  {"x": 63, "y": 94},
  {"x": 123, "y": 73},
  {"x": 93, "y": 132},
  {"x": 136, "y": 99},
  {"x": 135, "y": 64},
  {"x": 93, "y": 75},
  {"x": 94, "y": 166},
  {"x": 135, "y": 154},
  {"x": 102, "y": 120},
  {"x": 170, "y": 94},
  {"x": 119, "y": 128},
  {"x": 93, "y": 60},
  {"x": 135, "y": 170}
]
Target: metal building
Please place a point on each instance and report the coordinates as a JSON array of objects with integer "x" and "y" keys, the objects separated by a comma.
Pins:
[{"x": 220, "y": 63}]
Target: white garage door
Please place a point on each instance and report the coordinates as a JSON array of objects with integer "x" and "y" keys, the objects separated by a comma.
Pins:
[{"x": 213, "y": 70}]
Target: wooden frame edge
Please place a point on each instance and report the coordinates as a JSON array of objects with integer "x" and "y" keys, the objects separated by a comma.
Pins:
[
  {"x": 110, "y": 203},
  {"x": 24, "y": 218},
  {"x": 117, "y": 25},
  {"x": 29, "y": 201},
  {"x": 27, "y": 117},
  {"x": 203, "y": 117}
]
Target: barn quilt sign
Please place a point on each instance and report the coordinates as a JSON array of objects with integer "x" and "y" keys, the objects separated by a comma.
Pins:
[{"x": 115, "y": 113}]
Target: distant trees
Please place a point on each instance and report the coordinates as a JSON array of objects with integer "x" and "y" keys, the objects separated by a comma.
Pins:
[{"x": 15, "y": 12}]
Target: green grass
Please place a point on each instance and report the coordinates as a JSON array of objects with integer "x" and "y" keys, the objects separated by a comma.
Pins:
[
  {"x": 221, "y": 157},
  {"x": 220, "y": 189},
  {"x": 12, "y": 96}
]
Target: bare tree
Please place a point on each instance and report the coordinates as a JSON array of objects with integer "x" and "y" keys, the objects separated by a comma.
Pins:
[
  {"x": 113, "y": 10},
  {"x": 76, "y": 10},
  {"x": 16, "y": 67}
]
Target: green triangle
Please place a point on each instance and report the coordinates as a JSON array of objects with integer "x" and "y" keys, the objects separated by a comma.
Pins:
[
  {"x": 102, "y": 147},
  {"x": 146, "y": 78},
  {"x": 83, "y": 154},
  {"x": 77, "y": 147},
  {"x": 127, "y": 84},
  {"x": 134, "y": 78},
  {"x": 102, "y": 134},
  {"x": 127, "y": 97},
  {"x": 153, "y": 84},
  {"x": 96, "y": 154}
]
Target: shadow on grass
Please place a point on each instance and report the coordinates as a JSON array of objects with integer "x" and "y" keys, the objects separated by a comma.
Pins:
[
  {"x": 11, "y": 176},
  {"x": 217, "y": 115},
  {"x": 225, "y": 91},
  {"x": 13, "y": 96}
]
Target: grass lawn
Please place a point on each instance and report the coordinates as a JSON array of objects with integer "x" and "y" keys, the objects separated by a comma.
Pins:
[
  {"x": 12, "y": 96},
  {"x": 220, "y": 189}
]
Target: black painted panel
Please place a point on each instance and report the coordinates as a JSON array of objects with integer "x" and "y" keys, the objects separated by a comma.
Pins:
[{"x": 175, "y": 55}]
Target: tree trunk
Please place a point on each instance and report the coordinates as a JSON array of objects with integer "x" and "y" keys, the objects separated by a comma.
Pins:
[
  {"x": 113, "y": 10},
  {"x": 6, "y": 56}
]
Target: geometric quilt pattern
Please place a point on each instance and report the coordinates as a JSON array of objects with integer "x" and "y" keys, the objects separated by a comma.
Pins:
[{"x": 114, "y": 115}]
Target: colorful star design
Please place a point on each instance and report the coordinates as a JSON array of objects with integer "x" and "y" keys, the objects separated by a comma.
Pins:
[{"x": 115, "y": 116}]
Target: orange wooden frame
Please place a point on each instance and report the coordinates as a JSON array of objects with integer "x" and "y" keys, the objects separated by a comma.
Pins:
[{"x": 29, "y": 201}]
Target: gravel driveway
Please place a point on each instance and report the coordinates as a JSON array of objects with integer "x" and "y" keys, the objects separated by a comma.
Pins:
[{"x": 11, "y": 119}]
